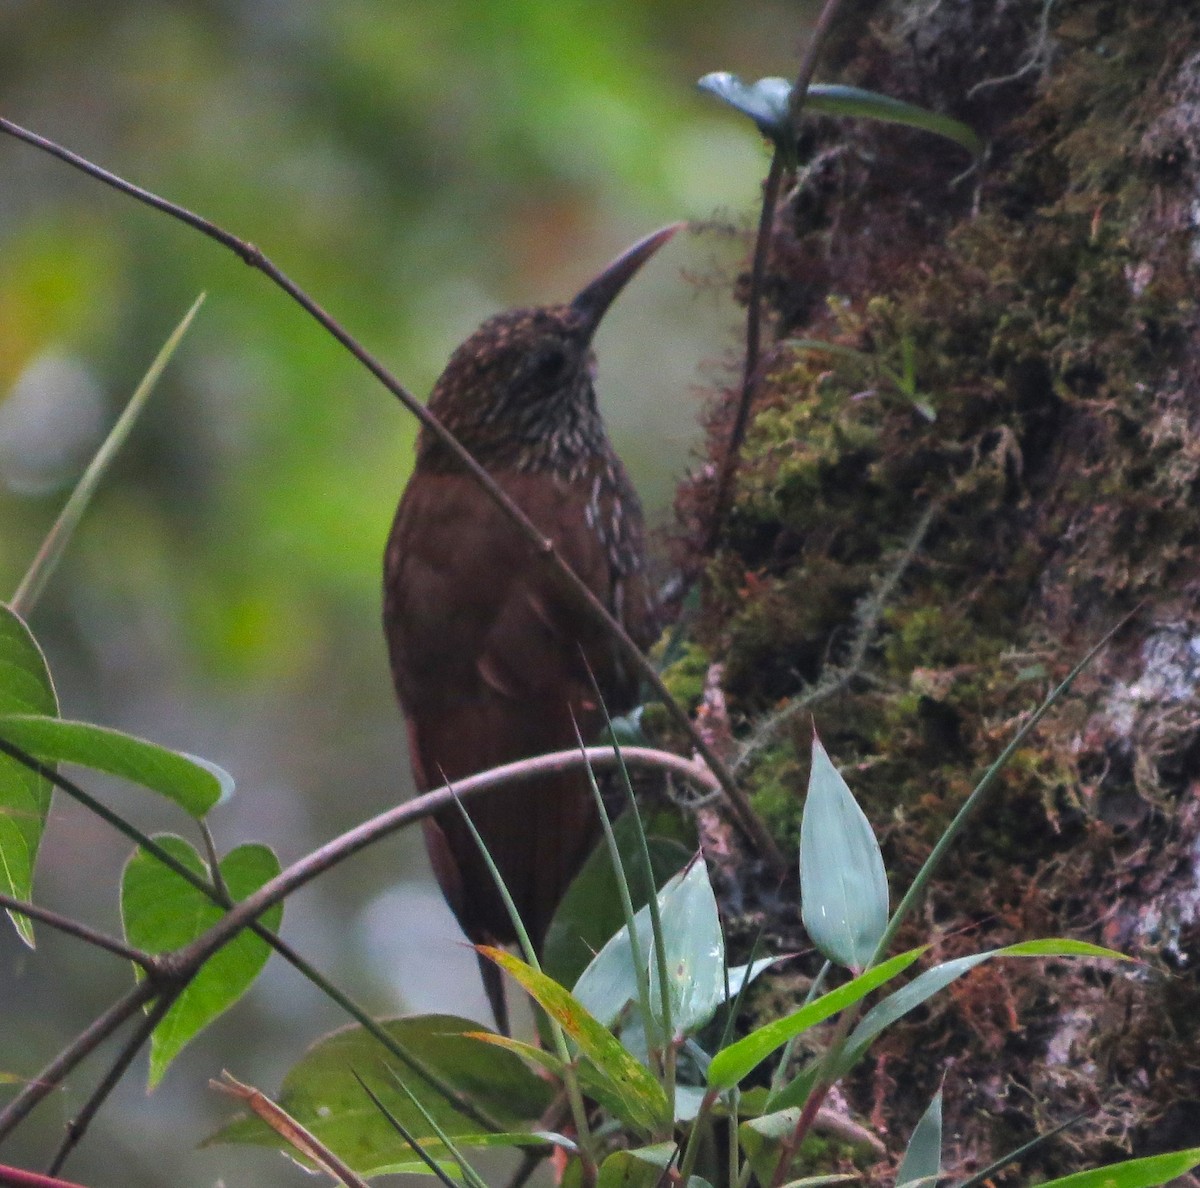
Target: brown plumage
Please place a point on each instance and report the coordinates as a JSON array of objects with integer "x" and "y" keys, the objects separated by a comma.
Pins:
[{"x": 487, "y": 648}]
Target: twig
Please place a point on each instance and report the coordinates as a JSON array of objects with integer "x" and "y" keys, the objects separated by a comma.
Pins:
[
  {"x": 417, "y": 809},
  {"x": 80, "y": 931},
  {"x": 182, "y": 965},
  {"x": 15, "y": 1177},
  {"x": 762, "y": 244},
  {"x": 84, "y": 1045},
  {"x": 298, "y": 1137},
  {"x": 77, "y": 1126},
  {"x": 742, "y": 810}
]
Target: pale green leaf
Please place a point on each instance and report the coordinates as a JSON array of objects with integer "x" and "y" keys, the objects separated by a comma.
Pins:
[
  {"x": 923, "y": 1155},
  {"x": 843, "y": 885}
]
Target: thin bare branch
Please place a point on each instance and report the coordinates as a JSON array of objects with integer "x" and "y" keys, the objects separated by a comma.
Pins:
[
  {"x": 182, "y": 966},
  {"x": 73, "y": 928},
  {"x": 741, "y": 808},
  {"x": 723, "y": 495},
  {"x": 77, "y": 1126},
  {"x": 15, "y": 1177},
  {"x": 417, "y": 809},
  {"x": 83, "y": 1046}
]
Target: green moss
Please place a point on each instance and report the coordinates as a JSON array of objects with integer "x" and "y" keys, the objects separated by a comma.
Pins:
[
  {"x": 685, "y": 677},
  {"x": 776, "y": 789}
]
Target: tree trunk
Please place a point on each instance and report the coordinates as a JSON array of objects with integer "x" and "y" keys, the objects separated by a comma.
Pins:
[{"x": 1028, "y": 379}]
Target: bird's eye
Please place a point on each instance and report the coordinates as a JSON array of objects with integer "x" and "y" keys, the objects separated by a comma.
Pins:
[{"x": 549, "y": 364}]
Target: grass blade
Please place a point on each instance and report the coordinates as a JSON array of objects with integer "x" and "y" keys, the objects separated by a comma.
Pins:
[{"x": 59, "y": 536}]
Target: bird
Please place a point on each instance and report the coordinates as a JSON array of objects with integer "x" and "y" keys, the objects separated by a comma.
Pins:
[{"x": 492, "y": 657}]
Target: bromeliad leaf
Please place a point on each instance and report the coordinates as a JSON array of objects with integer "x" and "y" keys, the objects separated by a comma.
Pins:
[
  {"x": 25, "y": 688},
  {"x": 162, "y": 912},
  {"x": 843, "y": 885},
  {"x": 768, "y": 102},
  {"x": 193, "y": 784}
]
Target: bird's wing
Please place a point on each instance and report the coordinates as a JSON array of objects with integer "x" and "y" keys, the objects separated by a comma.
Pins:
[{"x": 486, "y": 656}]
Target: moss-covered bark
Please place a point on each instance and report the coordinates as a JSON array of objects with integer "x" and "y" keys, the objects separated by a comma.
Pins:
[{"x": 1043, "y": 310}]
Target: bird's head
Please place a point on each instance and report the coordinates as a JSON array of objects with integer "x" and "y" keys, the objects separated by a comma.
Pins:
[{"x": 518, "y": 392}]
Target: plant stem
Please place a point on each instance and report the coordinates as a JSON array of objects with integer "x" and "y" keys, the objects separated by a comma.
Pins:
[{"x": 784, "y": 151}]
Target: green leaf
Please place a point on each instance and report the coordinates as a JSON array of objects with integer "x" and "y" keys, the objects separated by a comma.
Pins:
[
  {"x": 694, "y": 947},
  {"x": 194, "y": 785},
  {"x": 732, "y": 1064},
  {"x": 641, "y": 1167},
  {"x": 767, "y": 102},
  {"x": 1133, "y": 1173},
  {"x": 609, "y": 984},
  {"x": 321, "y": 1093},
  {"x": 590, "y": 912},
  {"x": 843, "y": 885},
  {"x": 923, "y": 1155},
  {"x": 25, "y": 688},
  {"x": 920, "y": 989},
  {"x": 761, "y": 1137},
  {"x": 162, "y": 913},
  {"x": 796, "y": 1091},
  {"x": 530, "y": 1053},
  {"x": 639, "y": 1100},
  {"x": 68, "y": 520},
  {"x": 837, "y": 100}
]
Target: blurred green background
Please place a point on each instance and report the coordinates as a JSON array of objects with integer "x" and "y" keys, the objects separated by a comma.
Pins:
[{"x": 415, "y": 165}]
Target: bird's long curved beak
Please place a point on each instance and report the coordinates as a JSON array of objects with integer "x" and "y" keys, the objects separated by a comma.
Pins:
[{"x": 598, "y": 294}]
